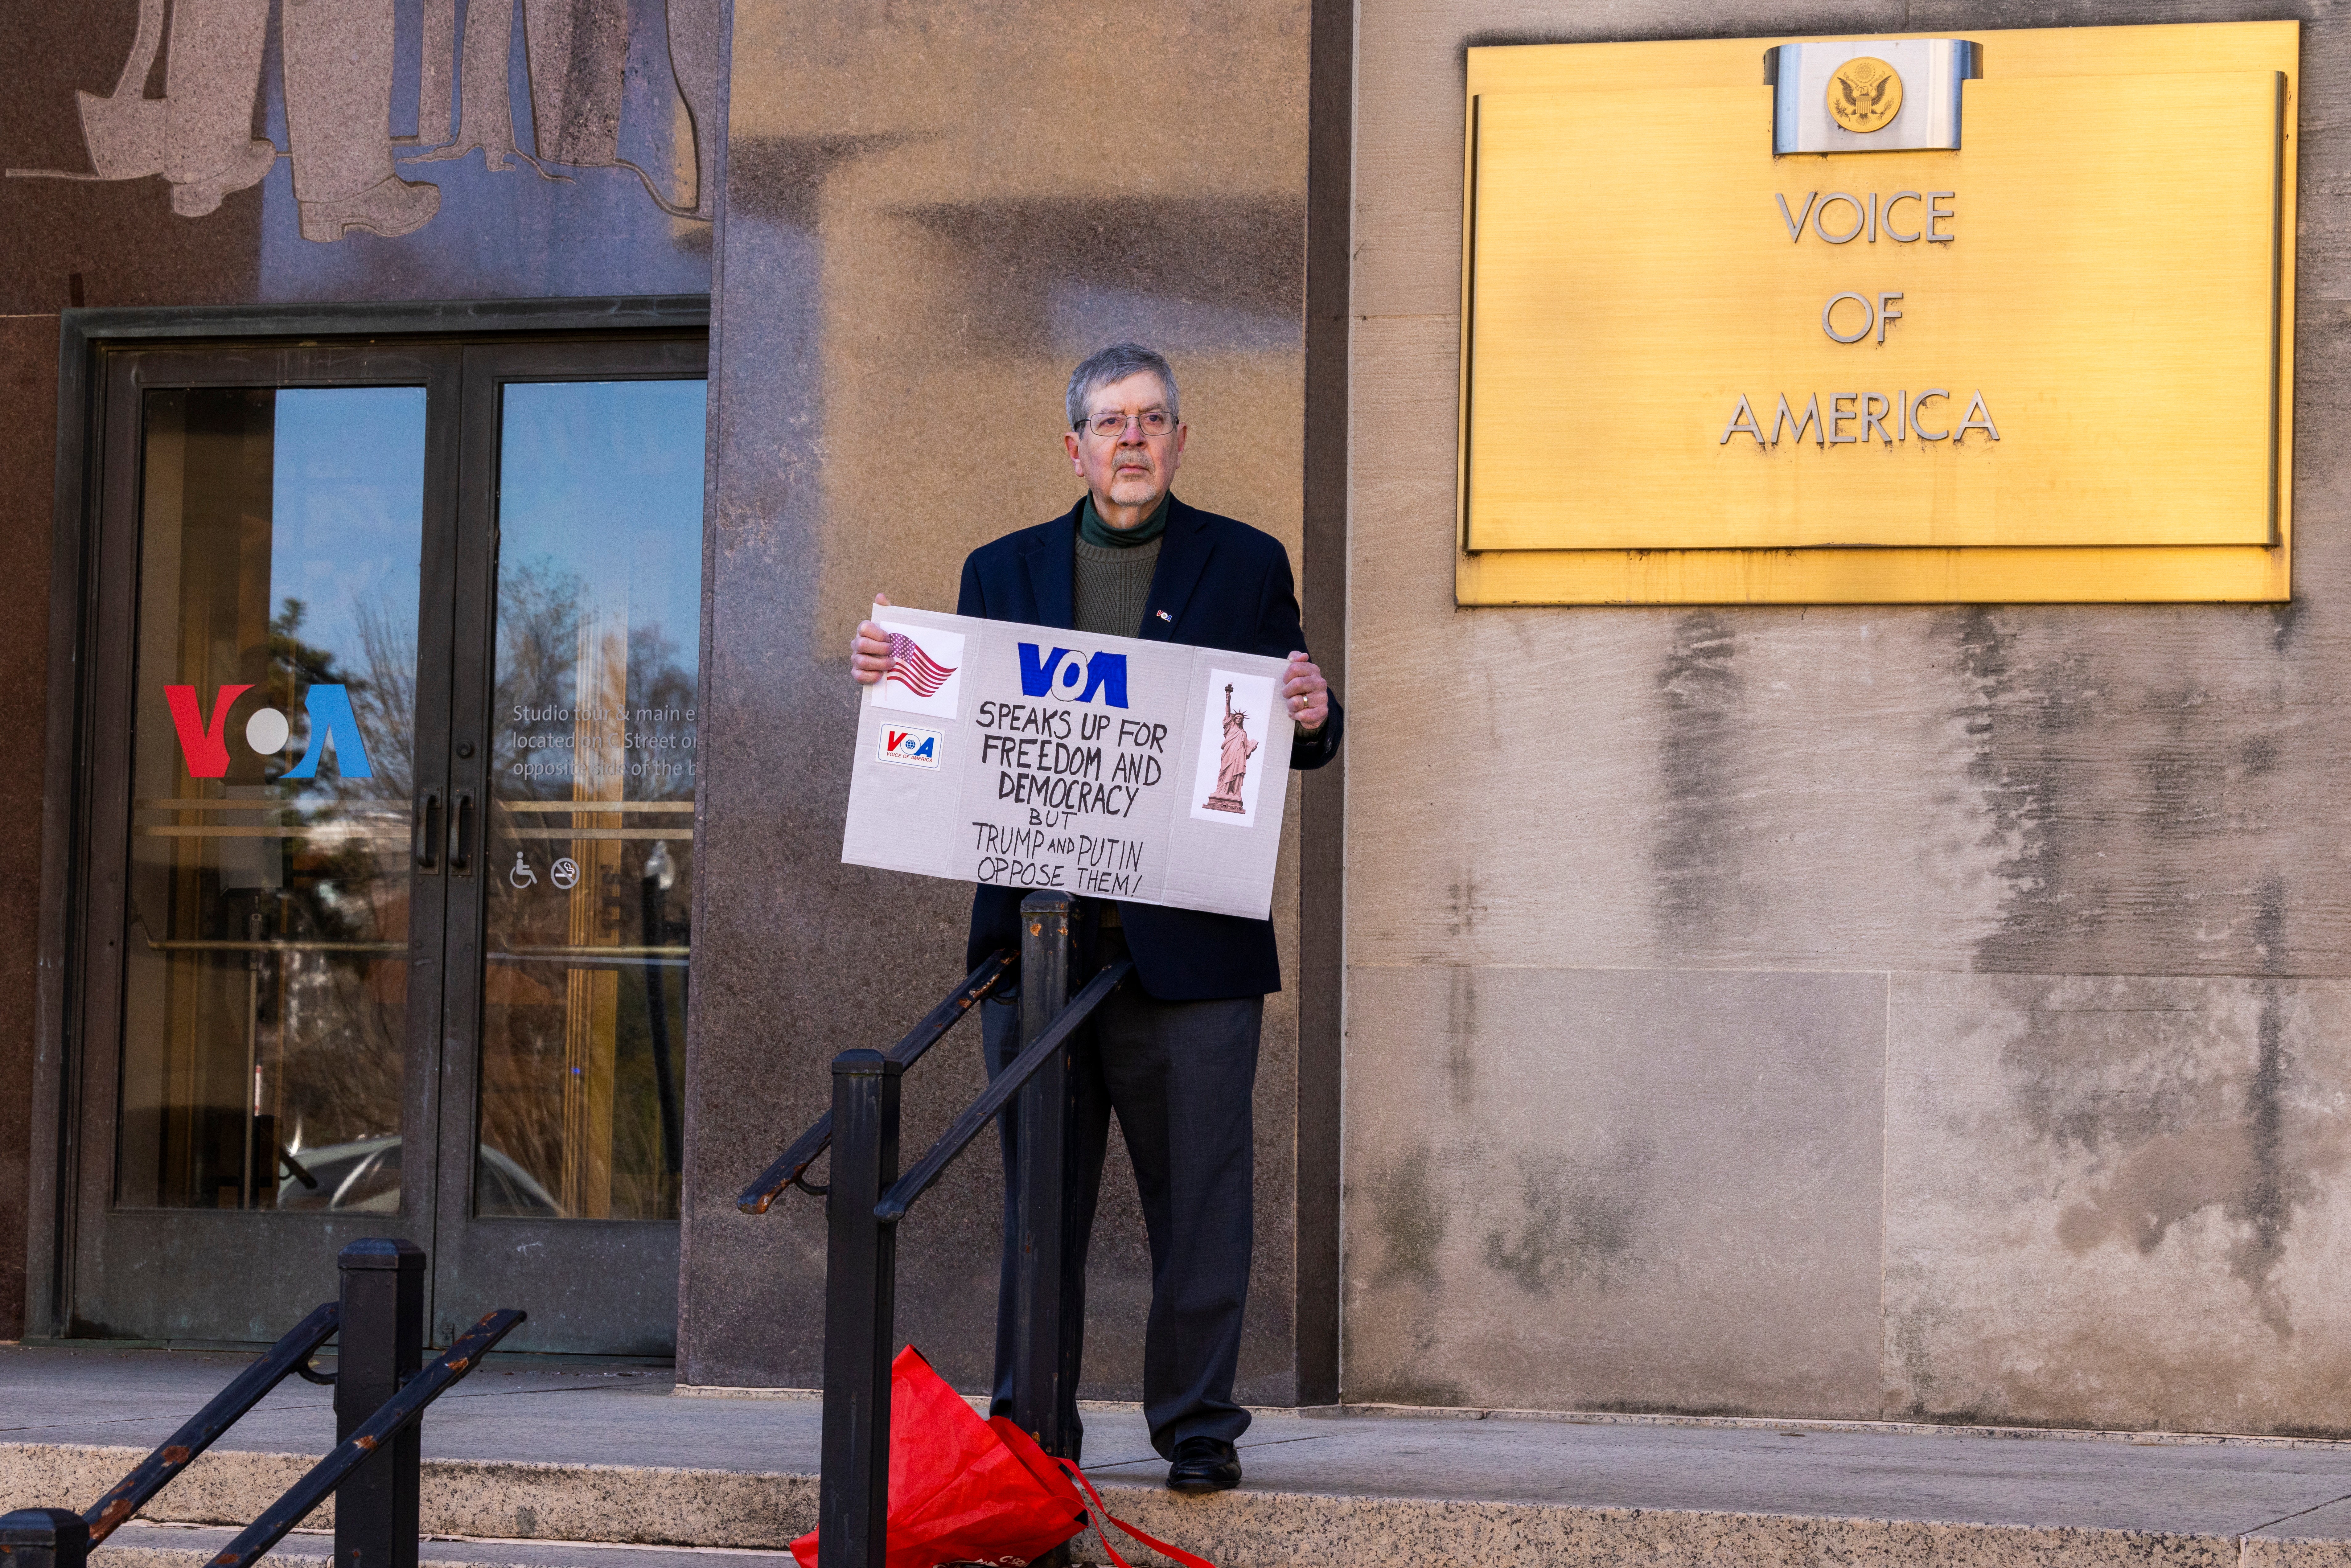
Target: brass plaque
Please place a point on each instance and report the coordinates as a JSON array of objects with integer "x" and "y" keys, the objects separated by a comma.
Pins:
[{"x": 2019, "y": 368}]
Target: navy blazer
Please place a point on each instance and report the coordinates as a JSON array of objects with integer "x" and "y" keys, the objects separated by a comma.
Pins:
[{"x": 1219, "y": 584}]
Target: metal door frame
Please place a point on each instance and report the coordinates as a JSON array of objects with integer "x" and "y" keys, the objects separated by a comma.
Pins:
[
  {"x": 538, "y": 1262},
  {"x": 73, "y": 791},
  {"x": 172, "y": 1240}
]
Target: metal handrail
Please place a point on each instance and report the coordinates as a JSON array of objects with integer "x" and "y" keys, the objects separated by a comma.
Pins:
[
  {"x": 391, "y": 1418},
  {"x": 380, "y": 1397},
  {"x": 867, "y": 1198},
  {"x": 791, "y": 1166},
  {"x": 289, "y": 1355},
  {"x": 1000, "y": 1089}
]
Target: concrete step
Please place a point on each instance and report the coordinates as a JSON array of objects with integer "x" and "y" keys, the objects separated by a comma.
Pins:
[
  {"x": 648, "y": 1505},
  {"x": 618, "y": 1516},
  {"x": 193, "y": 1546},
  {"x": 589, "y": 1465}
]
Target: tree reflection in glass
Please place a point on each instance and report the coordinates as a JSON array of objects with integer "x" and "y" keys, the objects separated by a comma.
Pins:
[
  {"x": 264, "y": 1003},
  {"x": 591, "y": 850}
]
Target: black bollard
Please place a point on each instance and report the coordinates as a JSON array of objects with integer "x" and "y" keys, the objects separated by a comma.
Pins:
[
  {"x": 860, "y": 1314},
  {"x": 1046, "y": 1336},
  {"x": 44, "y": 1538},
  {"x": 382, "y": 1346}
]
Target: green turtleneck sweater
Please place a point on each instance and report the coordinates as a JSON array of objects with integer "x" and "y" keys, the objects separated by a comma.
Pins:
[{"x": 1113, "y": 571}]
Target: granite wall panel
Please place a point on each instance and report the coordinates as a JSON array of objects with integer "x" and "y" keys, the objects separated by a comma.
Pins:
[
  {"x": 300, "y": 151},
  {"x": 933, "y": 214},
  {"x": 2047, "y": 794},
  {"x": 28, "y": 380}
]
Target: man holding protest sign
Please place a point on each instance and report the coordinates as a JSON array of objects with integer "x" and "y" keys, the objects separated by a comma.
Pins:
[{"x": 1175, "y": 1053}]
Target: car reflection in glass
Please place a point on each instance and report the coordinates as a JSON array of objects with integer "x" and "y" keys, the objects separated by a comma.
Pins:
[{"x": 363, "y": 1178}]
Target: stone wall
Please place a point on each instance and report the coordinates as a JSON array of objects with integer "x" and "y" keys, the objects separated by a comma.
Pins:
[
  {"x": 933, "y": 214},
  {"x": 1931, "y": 1013},
  {"x": 28, "y": 383}
]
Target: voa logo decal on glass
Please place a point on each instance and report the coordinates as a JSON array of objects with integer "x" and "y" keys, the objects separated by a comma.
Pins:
[{"x": 203, "y": 743}]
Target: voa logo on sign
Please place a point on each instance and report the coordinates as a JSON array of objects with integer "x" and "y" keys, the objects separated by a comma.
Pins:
[
  {"x": 203, "y": 743},
  {"x": 1070, "y": 676},
  {"x": 914, "y": 748}
]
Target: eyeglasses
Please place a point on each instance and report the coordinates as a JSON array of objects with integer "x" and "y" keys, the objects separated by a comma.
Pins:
[{"x": 1112, "y": 426}]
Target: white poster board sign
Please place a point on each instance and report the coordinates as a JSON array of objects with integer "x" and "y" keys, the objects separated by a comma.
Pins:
[{"x": 1105, "y": 766}]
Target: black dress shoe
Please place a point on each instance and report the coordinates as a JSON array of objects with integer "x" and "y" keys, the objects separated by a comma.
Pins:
[{"x": 1204, "y": 1464}]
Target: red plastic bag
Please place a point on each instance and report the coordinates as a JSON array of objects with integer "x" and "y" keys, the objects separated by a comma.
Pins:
[
  {"x": 967, "y": 1490},
  {"x": 958, "y": 1492}
]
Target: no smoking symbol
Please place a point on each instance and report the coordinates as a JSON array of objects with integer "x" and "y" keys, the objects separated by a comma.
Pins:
[{"x": 564, "y": 873}]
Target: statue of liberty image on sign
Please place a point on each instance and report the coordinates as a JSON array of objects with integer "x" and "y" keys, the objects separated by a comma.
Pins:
[
  {"x": 1234, "y": 708},
  {"x": 1232, "y": 761}
]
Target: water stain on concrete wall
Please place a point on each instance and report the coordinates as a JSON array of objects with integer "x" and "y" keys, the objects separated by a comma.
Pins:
[
  {"x": 1697, "y": 852},
  {"x": 1408, "y": 1219},
  {"x": 1398, "y": 1278},
  {"x": 2012, "y": 717},
  {"x": 1461, "y": 1037},
  {"x": 2148, "y": 824},
  {"x": 1578, "y": 1216},
  {"x": 2243, "y": 1144},
  {"x": 2117, "y": 1200}
]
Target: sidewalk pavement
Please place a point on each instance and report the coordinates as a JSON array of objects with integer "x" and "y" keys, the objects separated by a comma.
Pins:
[{"x": 1346, "y": 1487}]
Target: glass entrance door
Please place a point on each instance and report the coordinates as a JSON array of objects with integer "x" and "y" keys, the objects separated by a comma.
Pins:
[
  {"x": 389, "y": 836},
  {"x": 585, "y": 615}
]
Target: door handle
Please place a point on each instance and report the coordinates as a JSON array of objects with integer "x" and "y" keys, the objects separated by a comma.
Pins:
[
  {"x": 428, "y": 832},
  {"x": 461, "y": 834}
]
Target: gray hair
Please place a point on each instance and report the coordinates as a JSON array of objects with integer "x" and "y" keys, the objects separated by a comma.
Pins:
[{"x": 1116, "y": 363}]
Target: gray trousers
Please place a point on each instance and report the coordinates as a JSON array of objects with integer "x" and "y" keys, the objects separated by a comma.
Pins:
[{"x": 1180, "y": 1076}]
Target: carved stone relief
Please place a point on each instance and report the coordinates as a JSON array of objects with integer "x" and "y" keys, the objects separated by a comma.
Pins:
[{"x": 613, "y": 84}]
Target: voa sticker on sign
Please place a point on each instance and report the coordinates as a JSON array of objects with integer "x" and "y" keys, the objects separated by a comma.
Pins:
[{"x": 909, "y": 747}]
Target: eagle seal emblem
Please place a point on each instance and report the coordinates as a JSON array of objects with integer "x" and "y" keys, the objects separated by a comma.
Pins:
[{"x": 1864, "y": 95}]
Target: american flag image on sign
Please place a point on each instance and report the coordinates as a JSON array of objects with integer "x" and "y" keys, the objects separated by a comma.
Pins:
[{"x": 914, "y": 669}]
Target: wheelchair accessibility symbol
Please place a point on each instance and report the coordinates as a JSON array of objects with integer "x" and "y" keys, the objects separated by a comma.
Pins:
[
  {"x": 563, "y": 873},
  {"x": 522, "y": 876}
]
